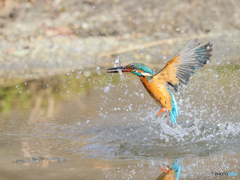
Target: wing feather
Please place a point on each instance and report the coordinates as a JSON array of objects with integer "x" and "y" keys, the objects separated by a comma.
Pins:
[{"x": 178, "y": 70}]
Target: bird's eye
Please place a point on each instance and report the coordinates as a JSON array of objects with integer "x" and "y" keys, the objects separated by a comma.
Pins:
[{"x": 132, "y": 67}]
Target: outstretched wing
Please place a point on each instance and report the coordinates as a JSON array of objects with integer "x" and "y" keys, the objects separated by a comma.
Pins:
[{"x": 178, "y": 70}]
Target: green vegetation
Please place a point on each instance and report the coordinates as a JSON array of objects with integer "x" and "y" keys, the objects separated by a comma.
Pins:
[{"x": 61, "y": 87}]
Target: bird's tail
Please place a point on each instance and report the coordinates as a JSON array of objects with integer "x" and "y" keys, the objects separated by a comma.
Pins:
[
  {"x": 174, "y": 111},
  {"x": 177, "y": 169}
]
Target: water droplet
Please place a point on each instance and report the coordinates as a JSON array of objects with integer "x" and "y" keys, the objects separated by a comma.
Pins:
[{"x": 106, "y": 89}]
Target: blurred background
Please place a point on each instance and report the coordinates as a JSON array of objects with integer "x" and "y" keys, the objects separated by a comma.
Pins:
[{"x": 63, "y": 117}]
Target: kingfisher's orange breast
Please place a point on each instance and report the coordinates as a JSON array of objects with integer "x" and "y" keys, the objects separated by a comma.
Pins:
[{"x": 156, "y": 87}]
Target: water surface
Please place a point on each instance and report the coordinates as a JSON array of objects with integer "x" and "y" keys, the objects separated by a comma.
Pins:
[{"x": 90, "y": 125}]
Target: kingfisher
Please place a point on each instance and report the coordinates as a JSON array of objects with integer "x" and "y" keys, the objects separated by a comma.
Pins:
[
  {"x": 172, "y": 77},
  {"x": 171, "y": 173}
]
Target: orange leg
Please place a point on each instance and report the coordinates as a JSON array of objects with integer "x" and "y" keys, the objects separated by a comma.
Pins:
[
  {"x": 163, "y": 169},
  {"x": 163, "y": 109}
]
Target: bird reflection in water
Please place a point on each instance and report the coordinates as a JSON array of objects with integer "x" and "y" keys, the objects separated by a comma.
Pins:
[{"x": 171, "y": 173}]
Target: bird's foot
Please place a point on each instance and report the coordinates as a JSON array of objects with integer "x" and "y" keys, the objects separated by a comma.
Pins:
[
  {"x": 164, "y": 110},
  {"x": 166, "y": 170}
]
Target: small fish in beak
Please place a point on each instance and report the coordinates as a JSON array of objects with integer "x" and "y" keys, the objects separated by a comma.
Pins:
[
  {"x": 117, "y": 63},
  {"x": 117, "y": 68}
]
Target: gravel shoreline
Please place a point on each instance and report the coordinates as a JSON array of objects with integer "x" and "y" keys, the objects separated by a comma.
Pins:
[{"x": 42, "y": 38}]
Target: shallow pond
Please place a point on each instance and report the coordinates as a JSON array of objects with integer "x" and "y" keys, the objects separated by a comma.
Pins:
[{"x": 90, "y": 125}]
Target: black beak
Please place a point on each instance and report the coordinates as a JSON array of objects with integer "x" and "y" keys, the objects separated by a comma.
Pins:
[{"x": 114, "y": 70}]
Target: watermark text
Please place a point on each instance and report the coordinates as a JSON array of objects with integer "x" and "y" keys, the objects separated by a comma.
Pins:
[{"x": 224, "y": 174}]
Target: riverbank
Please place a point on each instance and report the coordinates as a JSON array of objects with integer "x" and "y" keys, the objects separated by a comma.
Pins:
[{"x": 40, "y": 39}]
